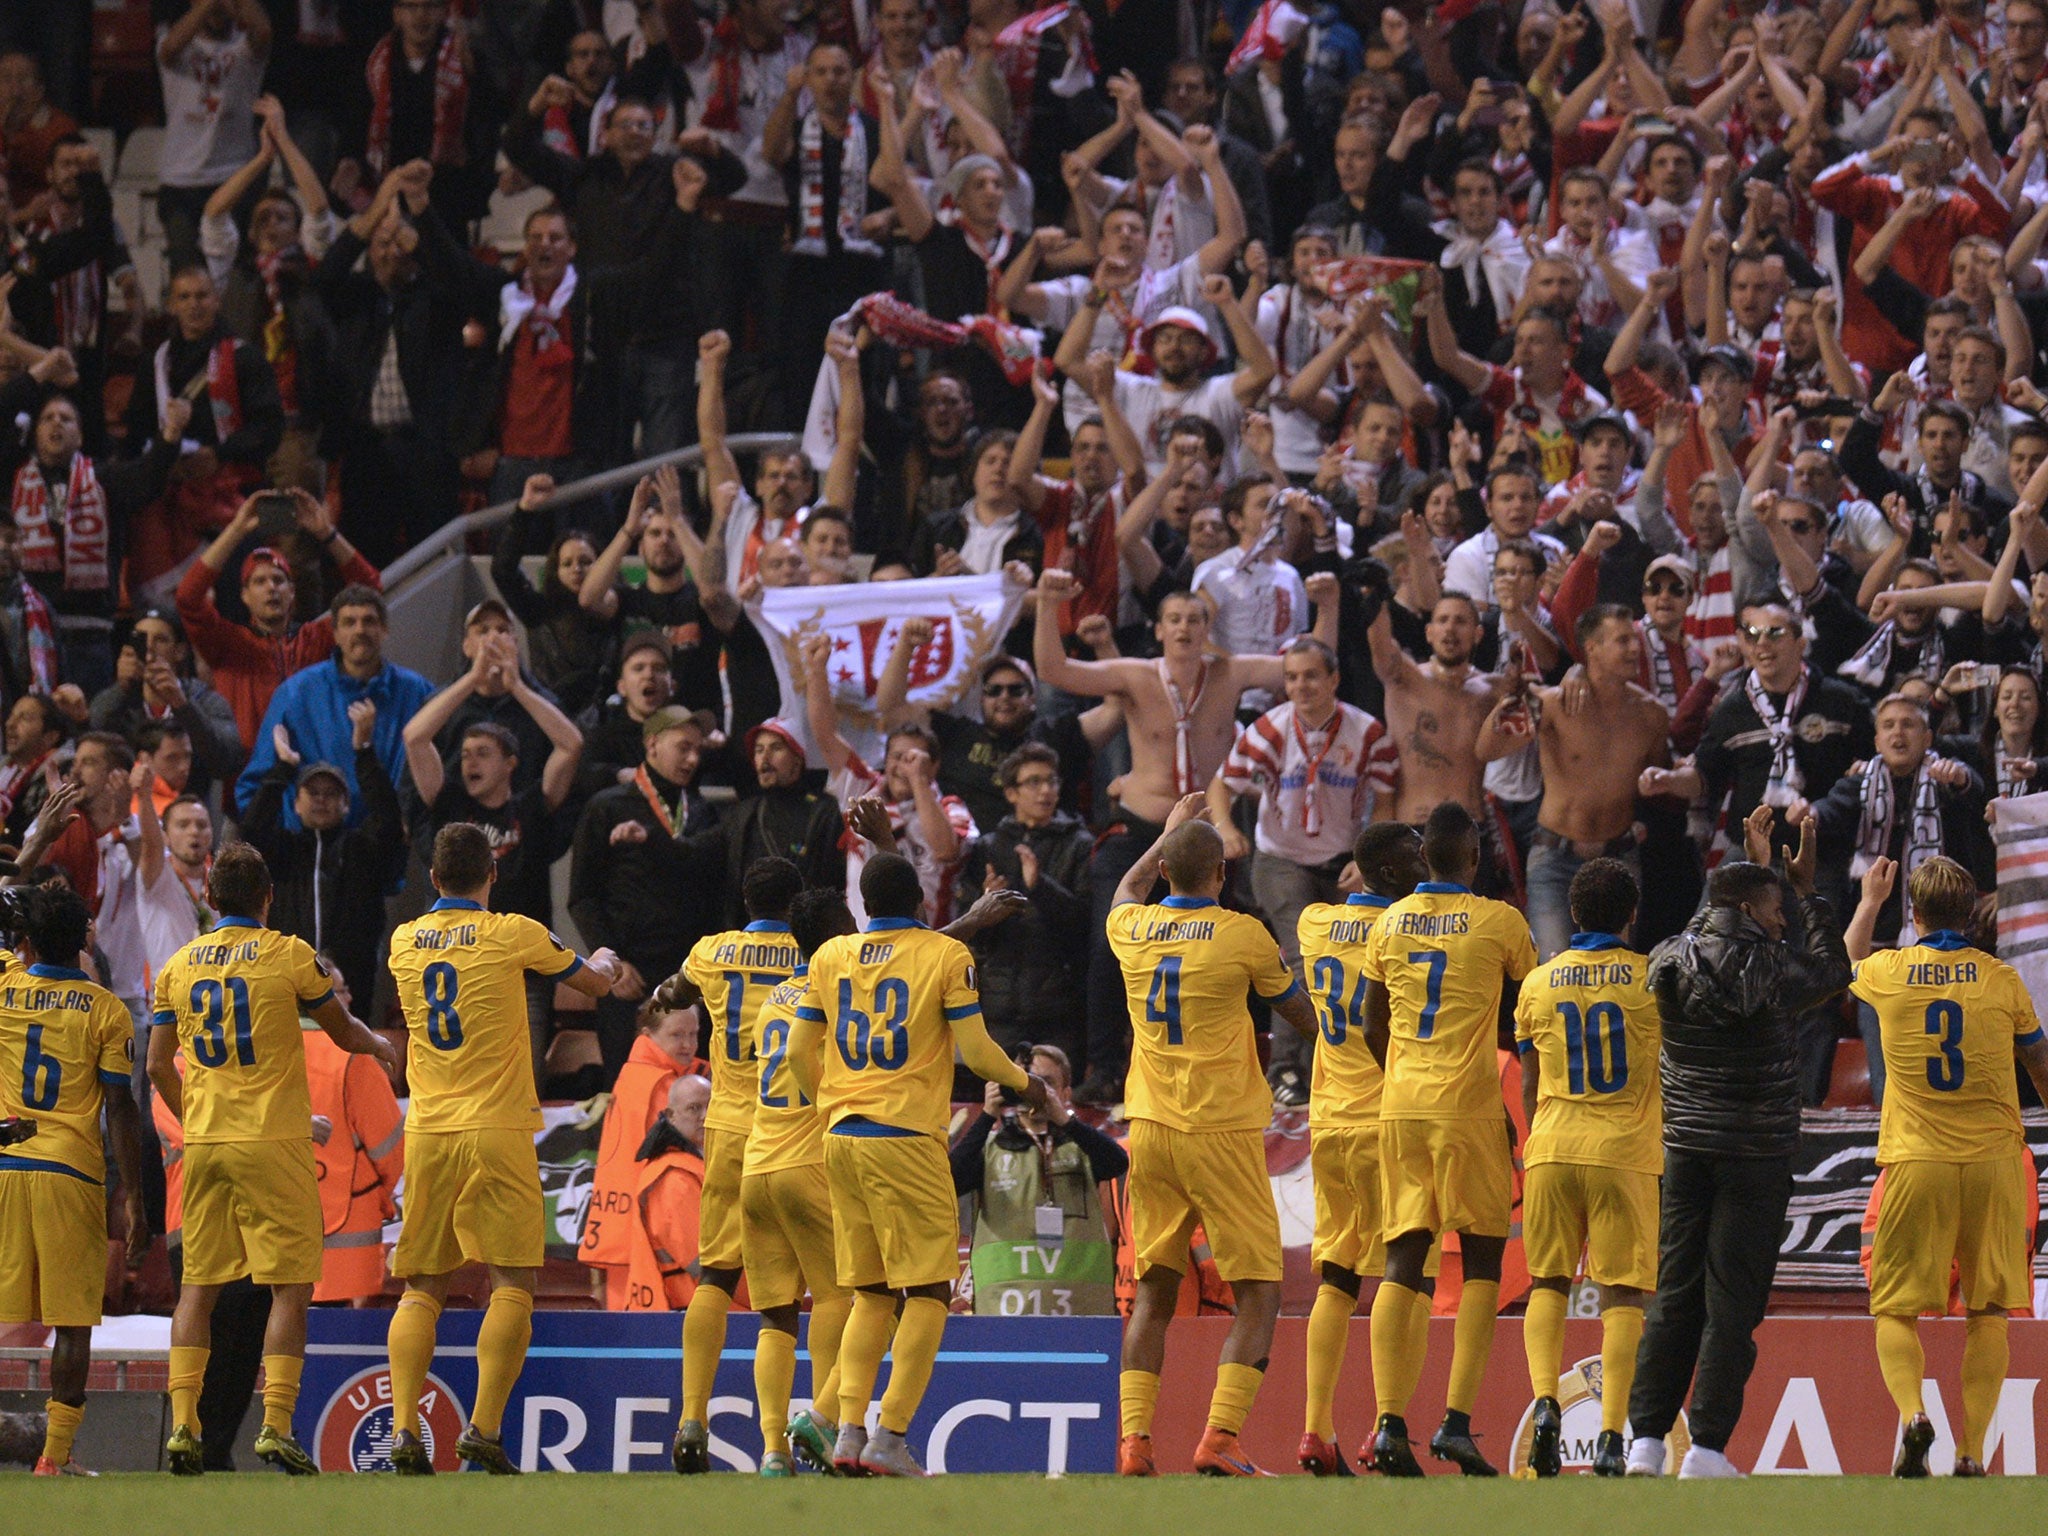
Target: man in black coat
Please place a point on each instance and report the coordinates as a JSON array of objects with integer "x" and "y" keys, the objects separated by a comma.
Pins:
[{"x": 1730, "y": 990}]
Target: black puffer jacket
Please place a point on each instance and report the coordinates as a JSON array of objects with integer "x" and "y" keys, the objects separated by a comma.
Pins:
[
  {"x": 1731, "y": 1000},
  {"x": 1034, "y": 966}
]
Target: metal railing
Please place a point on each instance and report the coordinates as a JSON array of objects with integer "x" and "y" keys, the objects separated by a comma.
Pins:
[{"x": 453, "y": 539}]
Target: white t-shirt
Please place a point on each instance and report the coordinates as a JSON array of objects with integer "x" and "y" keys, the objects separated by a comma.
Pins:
[
  {"x": 210, "y": 92},
  {"x": 1470, "y": 567},
  {"x": 1150, "y": 405},
  {"x": 1260, "y": 607},
  {"x": 983, "y": 550},
  {"x": 167, "y": 916},
  {"x": 1298, "y": 438},
  {"x": 856, "y": 779},
  {"x": 118, "y": 924},
  {"x": 1117, "y": 325},
  {"x": 762, "y": 77}
]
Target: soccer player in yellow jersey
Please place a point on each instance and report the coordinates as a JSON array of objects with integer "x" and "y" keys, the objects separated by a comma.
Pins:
[
  {"x": 1958, "y": 1181},
  {"x": 1588, "y": 1031},
  {"x": 786, "y": 1215},
  {"x": 230, "y": 1002},
  {"x": 472, "y": 1176},
  {"x": 66, "y": 1049},
  {"x": 732, "y": 974},
  {"x": 1344, "y": 1121},
  {"x": 1198, "y": 1107},
  {"x": 892, "y": 1005},
  {"x": 1436, "y": 967}
]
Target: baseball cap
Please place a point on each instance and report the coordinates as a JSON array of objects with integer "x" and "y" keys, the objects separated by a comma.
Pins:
[
  {"x": 488, "y": 605},
  {"x": 1188, "y": 320},
  {"x": 1599, "y": 419},
  {"x": 1676, "y": 567},
  {"x": 781, "y": 731},
  {"x": 263, "y": 554},
  {"x": 643, "y": 640},
  {"x": 313, "y": 771},
  {"x": 1733, "y": 358},
  {"x": 674, "y": 717}
]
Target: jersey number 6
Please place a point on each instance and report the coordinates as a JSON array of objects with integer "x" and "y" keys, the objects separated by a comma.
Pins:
[{"x": 881, "y": 1040}]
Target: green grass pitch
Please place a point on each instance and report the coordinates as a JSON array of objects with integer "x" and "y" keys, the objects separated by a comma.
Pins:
[{"x": 265, "y": 1504}]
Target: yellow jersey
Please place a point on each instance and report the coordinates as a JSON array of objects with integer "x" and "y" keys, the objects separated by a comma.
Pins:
[
  {"x": 234, "y": 996},
  {"x": 736, "y": 971},
  {"x": 1442, "y": 954},
  {"x": 888, "y": 998},
  {"x": 1344, "y": 1087},
  {"x": 1186, "y": 964},
  {"x": 62, "y": 1035},
  {"x": 1949, "y": 1017},
  {"x": 1589, "y": 1029},
  {"x": 460, "y": 973},
  {"x": 788, "y": 1131}
]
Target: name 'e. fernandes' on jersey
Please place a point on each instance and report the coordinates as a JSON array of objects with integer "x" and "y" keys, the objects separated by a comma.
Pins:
[
  {"x": 62, "y": 1036},
  {"x": 1345, "y": 1084},
  {"x": 888, "y": 999},
  {"x": 1587, "y": 1025},
  {"x": 460, "y": 973},
  {"x": 788, "y": 1130},
  {"x": 234, "y": 996},
  {"x": 1186, "y": 964},
  {"x": 1949, "y": 1017},
  {"x": 1442, "y": 954},
  {"x": 735, "y": 972}
]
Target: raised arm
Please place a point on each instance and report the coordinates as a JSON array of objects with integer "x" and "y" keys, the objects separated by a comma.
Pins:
[
  {"x": 1470, "y": 373},
  {"x": 819, "y": 710},
  {"x": 778, "y": 134},
  {"x": 1628, "y": 341},
  {"x": 422, "y": 756},
  {"x": 1255, "y": 367},
  {"x": 1219, "y": 251},
  {"x": 1097, "y": 679},
  {"x": 558, "y": 773},
  {"x": 599, "y": 592},
  {"x": 850, "y": 423},
  {"x": 1841, "y": 374},
  {"x": 892, "y": 688},
  {"x": 1137, "y": 883},
  {"x": 1998, "y": 592},
  {"x": 1029, "y": 450},
  {"x": 891, "y": 175},
  {"x": 714, "y": 350}
]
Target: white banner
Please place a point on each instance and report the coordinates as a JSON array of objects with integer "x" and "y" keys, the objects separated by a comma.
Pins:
[
  {"x": 969, "y": 614},
  {"x": 2021, "y": 832}
]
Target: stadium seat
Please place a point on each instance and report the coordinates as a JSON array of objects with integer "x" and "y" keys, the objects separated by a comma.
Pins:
[
  {"x": 101, "y": 139},
  {"x": 140, "y": 158},
  {"x": 1849, "y": 1082},
  {"x": 504, "y": 227}
]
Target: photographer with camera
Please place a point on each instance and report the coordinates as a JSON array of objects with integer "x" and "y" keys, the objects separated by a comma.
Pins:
[{"x": 1041, "y": 1245}]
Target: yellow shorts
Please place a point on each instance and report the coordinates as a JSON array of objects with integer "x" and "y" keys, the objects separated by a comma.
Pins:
[
  {"x": 1446, "y": 1176},
  {"x": 718, "y": 1213},
  {"x": 1610, "y": 1213},
  {"x": 1214, "y": 1179},
  {"x": 1972, "y": 1214},
  {"x": 786, "y": 1225},
  {"x": 895, "y": 1218},
  {"x": 470, "y": 1197},
  {"x": 252, "y": 1208},
  {"x": 53, "y": 1248},
  {"x": 1345, "y": 1161}
]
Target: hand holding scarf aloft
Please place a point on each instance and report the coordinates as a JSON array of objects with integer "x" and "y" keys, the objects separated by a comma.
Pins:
[
  {"x": 1394, "y": 278},
  {"x": 1014, "y": 347}
]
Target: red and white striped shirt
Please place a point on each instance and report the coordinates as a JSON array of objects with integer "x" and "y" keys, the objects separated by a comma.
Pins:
[{"x": 1316, "y": 786}]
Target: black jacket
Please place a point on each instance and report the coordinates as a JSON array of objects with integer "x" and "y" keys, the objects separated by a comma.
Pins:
[
  {"x": 650, "y": 900},
  {"x": 1033, "y": 966},
  {"x": 1106, "y": 1159},
  {"x": 1730, "y": 999},
  {"x": 948, "y": 530},
  {"x": 330, "y": 886}
]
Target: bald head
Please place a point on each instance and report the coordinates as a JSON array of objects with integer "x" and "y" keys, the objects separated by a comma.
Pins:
[
  {"x": 1192, "y": 858},
  {"x": 689, "y": 1096}
]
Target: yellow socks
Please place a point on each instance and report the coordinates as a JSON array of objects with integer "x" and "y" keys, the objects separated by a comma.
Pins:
[
  {"x": 828, "y": 1328},
  {"x": 1137, "y": 1392},
  {"x": 410, "y": 1344},
  {"x": 280, "y": 1391},
  {"x": 1237, "y": 1388},
  {"x": 1621, "y": 1332},
  {"x": 861, "y": 1349},
  {"x": 61, "y": 1430},
  {"x": 500, "y": 1355},
  {"x": 916, "y": 1348},
  {"x": 1986, "y": 1354},
  {"x": 703, "y": 1342},
  {"x": 1398, "y": 1346},
  {"x": 1543, "y": 1339},
  {"x": 1476, "y": 1307},
  {"x": 1329, "y": 1327},
  {"x": 1903, "y": 1362},
  {"x": 188, "y": 1375},
  {"x": 774, "y": 1375}
]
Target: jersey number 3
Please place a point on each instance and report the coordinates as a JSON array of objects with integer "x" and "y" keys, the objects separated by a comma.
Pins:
[
  {"x": 876, "y": 1039},
  {"x": 210, "y": 1000}
]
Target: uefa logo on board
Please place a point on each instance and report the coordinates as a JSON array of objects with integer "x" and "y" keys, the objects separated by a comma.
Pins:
[
  {"x": 357, "y": 1425},
  {"x": 1578, "y": 1393}
]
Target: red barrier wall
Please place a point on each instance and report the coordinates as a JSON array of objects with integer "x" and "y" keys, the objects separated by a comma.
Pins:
[{"x": 1816, "y": 1402}]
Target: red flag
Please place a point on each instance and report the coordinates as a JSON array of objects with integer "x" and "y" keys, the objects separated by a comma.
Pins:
[{"x": 1270, "y": 35}]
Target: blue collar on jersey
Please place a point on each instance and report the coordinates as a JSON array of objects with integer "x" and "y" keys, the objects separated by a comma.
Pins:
[
  {"x": 456, "y": 904},
  {"x": 890, "y": 924},
  {"x": 236, "y": 922},
  {"x": 803, "y": 968},
  {"x": 58, "y": 972},
  {"x": 1367, "y": 899},
  {"x": 1189, "y": 901},
  {"x": 766, "y": 925},
  {"x": 1596, "y": 941},
  {"x": 1442, "y": 888},
  {"x": 1944, "y": 938}
]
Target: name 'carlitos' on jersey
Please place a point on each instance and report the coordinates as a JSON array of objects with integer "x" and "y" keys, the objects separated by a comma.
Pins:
[
  {"x": 1589, "y": 1019},
  {"x": 734, "y": 972}
]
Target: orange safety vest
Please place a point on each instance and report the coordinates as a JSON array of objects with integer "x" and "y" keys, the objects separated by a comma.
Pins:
[
  {"x": 661, "y": 1260},
  {"x": 358, "y": 1169},
  {"x": 640, "y": 1094}
]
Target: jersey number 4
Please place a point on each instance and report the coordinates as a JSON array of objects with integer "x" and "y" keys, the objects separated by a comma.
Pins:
[
  {"x": 877, "y": 1038},
  {"x": 1162, "y": 998},
  {"x": 1339, "y": 1017}
]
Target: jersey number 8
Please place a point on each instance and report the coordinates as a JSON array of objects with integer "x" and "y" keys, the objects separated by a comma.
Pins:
[
  {"x": 881, "y": 1040},
  {"x": 444, "y": 1024}
]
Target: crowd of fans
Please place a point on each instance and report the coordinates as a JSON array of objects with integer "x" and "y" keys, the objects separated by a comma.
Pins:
[{"x": 1615, "y": 418}]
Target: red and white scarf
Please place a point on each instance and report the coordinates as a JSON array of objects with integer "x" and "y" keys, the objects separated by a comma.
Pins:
[
  {"x": 853, "y": 188},
  {"x": 83, "y": 557},
  {"x": 1017, "y": 47},
  {"x": 1184, "y": 707},
  {"x": 451, "y": 101},
  {"x": 223, "y": 388},
  {"x": 1271, "y": 33},
  {"x": 517, "y": 304}
]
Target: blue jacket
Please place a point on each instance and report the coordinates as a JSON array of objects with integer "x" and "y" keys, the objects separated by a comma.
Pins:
[{"x": 313, "y": 705}]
